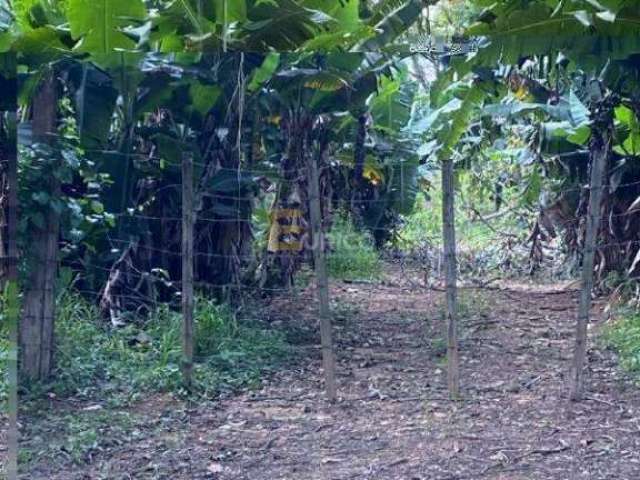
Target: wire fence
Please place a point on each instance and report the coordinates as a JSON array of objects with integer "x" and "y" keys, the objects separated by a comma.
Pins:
[
  {"x": 139, "y": 270},
  {"x": 155, "y": 255}
]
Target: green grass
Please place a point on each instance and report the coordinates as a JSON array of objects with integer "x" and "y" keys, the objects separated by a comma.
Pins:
[
  {"x": 4, "y": 386},
  {"x": 8, "y": 309},
  {"x": 624, "y": 337},
  {"x": 112, "y": 371},
  {"x": 353, "y": 255},
  {"x": 425, "y": 224},
  {"x": 79, "y": 433},
  {"x": 94, "y": 360}
]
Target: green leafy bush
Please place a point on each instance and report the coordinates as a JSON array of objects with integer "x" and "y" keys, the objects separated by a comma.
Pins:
[
  {"x": 624, "y": 337},
  {"x": 353, "y": 255},
  {"x": 93, "y": 358},
  {"x": 9, "y": 307}
]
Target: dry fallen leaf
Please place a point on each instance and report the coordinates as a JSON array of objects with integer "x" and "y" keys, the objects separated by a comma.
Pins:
[{"x": 215, "y": 468}]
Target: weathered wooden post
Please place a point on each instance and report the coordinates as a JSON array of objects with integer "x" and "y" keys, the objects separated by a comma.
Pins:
[
  {"x": 449, "y": 239},
  {"x": 600, "y": 149},
  {"x": 12, "y": 311},
  {"x": 38, "y": 312},
  {"x": 187, "y": 271},
  {"x": 322, "y": 282}
]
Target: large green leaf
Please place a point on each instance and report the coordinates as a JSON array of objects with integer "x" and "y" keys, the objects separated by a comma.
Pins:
[
  {"x": 627, "y": 119},
  {"x": 395, "y": 24},
  {"x": 99, "y": 23},
  {"x": 460, "y": 120},
  {"x": 22, "y": 12},
  {"x": 344, "y": 12},
  {"x": 95, "y": 100},
  {"x": 203, "y": 97},
  {"x": 517, "y": 29},
  {"x": 263, "y": 73},
  {"x": 39, "y": 46},
  {"x": 568, "y": 109},
  {"x": 228, "y": 11},
  {"x": 391, "y": 107},
  {"x": 282, "y": 25},
  {"x": 404, "y": 185}
]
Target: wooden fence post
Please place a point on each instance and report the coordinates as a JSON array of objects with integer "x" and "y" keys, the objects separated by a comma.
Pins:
[
  {"x": 600, "y": 146},
  {"x": 322, "y": 282},
  {"x": 36, "y": 330},
  {"x": 449, "y": 239},
  {"x": 187, "y": 271},
  {"x": 12, "y": 312}
]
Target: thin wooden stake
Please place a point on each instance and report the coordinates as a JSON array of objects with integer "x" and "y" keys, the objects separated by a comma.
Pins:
[
  {"x": 600, "y": 152},
  {"x": 449, "y": 238},
  {"x": 13, "y": 313},
  {"x": 322, "y": 281},
  {"x": 187, "y": 271}
]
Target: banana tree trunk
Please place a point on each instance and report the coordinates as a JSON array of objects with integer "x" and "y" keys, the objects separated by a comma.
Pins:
[
  {"x": 289, "y": 216},
  {"x": 359, "y": 157}
]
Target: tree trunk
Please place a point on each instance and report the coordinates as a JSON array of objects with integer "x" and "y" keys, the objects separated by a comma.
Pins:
[
  {"x": 449, "y": 237},
  {"x": 600, "y": 149},
  {"x": 223, "y": 241},
  {"x": 285, "y": 248},
  {"x": 37, "y": 325}
]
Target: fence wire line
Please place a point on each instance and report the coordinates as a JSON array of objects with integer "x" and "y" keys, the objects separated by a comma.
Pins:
[
  {"x": 286, "y": 294},
  {"x": 139, "y": 238},
  {"x": 295, "y": 181},
  {"x": 560, "y": 224}
]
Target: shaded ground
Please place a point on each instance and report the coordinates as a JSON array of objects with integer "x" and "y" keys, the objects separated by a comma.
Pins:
[
  {"x": 3, "y": 444},
  {"x": 394, "y": 420}
]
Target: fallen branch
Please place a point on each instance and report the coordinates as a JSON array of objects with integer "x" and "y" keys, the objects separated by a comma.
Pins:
[{"x": 537, "y": 451}]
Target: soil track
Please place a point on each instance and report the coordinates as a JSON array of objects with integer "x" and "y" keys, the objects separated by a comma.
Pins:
[
  {"x": 4, "y": 423},
  {"x": 394, "y": 421}
]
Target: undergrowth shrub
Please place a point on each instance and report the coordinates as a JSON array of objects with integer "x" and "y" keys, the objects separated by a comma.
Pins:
[
  {"x": 92, "y": 357},
  {"x": 425, "y": 224},
  {"x": 498, "y": 244},
  {"x": 624, "y": 337},
  {"x": 353, "y": 255},
  {"x": 5, "y": 308}
]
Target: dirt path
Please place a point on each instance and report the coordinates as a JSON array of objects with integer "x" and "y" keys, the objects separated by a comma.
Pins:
[
  {"x": 394, "y": 420},
  {"x": 4, "y": 421}
]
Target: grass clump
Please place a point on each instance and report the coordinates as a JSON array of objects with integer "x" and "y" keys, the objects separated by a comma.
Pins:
[
  {"x": 9, "y": 308},
  {"x": 624, "y": 337},
  {"x": 4, "y": 361},
  {"x": 111, "y": 369},
  {"x": 353, "y": 255},
  {"x": 92, "y": 358}
]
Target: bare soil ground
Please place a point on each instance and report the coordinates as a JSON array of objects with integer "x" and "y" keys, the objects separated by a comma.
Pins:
[
  {"x": 393, "y": 421},
  {"x": 3, "y": 444}
]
